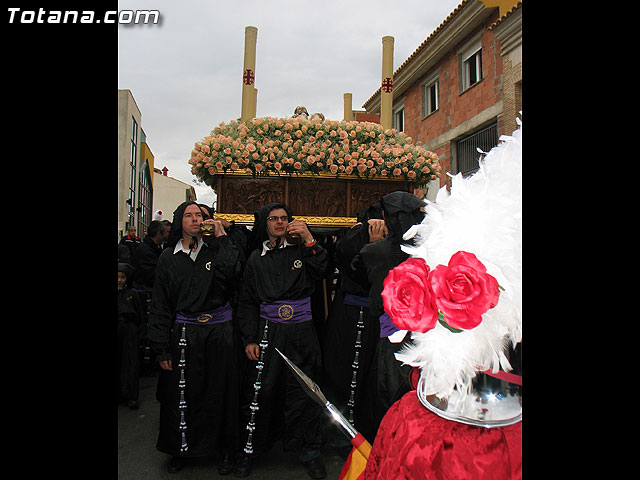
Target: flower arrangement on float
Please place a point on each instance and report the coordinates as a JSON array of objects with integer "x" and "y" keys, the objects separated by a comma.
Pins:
[{"x": 290, "y": 146}]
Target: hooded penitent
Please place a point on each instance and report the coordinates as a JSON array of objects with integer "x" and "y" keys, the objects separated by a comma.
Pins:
[
  {"x": 259, "y": 232},
  {"x": 176, "y": 227},
  {"x": 401, "y": 211}
]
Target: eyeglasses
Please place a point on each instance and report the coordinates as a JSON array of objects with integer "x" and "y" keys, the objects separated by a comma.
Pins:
[{"x": 284, "y": 218}]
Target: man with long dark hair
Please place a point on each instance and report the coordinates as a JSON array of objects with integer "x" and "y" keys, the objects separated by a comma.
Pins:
[
  {"x": 274, "y": 311},
  {"x": 191, "y": 331}
]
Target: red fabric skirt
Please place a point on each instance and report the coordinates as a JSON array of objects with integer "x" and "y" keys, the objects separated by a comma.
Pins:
[{"x": 414, "y": 443}]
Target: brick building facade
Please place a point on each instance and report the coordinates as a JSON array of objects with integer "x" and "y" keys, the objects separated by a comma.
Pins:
[{"x": 459, "y": 90}]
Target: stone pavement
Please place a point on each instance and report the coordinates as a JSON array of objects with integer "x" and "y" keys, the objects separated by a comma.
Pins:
[{"x": 138, "y": 458}]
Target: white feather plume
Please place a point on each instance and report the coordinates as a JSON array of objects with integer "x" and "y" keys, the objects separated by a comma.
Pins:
[{"x": 482, "y": 215}]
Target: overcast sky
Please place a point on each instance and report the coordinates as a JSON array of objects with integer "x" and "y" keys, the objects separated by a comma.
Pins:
[{"x": 185, "y": 73}]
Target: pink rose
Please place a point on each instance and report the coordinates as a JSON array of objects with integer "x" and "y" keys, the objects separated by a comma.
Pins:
[
  {"x": 407, "y": 298},
  {"x": 464, "y": 290}
]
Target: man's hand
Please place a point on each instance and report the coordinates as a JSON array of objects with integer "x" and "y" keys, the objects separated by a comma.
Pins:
[
  {"x": 377, "y": 229},
  {"x": 252, "y": 350},
  {"x": 298, "y": 227},
  {"x": 165, "y": 365},
  {"x": 218, "y": 228}
]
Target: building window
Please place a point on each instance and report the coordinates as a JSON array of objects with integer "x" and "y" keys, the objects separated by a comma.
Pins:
[
  {"x": 133, "y": 169},
  {"x": 430, "y": 97},
  {"x": 467, "y": 154},
  {"x": 144, "y": 198},
  {"x": 398, "y": 118},
  {"x": 470, "y": 65},
  {"x": 472, "y": 70}
]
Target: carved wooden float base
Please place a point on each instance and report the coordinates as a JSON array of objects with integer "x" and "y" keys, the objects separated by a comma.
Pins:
[
  {"x": 323, "y": 201},
  {"x": 336, "y": 222}
]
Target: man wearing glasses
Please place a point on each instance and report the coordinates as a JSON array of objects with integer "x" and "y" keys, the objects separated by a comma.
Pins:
[{"x": 275, "y": 312}]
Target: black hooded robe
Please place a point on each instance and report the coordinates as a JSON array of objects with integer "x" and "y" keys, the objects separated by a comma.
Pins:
[
  {"x": 145, "y": 261},
  {"x": 130, "y": 319},
  {"x": 211, "y": 356},
  {"x": 285, "y": 410},
  {"x": 341, "y": 333},
  {"x": 385, "y": 380}
]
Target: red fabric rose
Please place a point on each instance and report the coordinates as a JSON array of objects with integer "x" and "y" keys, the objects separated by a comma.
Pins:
[
  {"x": 463, "y": 290},
  {"x": 407, "y": 298}
]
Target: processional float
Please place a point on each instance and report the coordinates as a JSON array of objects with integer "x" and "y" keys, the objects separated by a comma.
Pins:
[{"x": 325, "y": 170}]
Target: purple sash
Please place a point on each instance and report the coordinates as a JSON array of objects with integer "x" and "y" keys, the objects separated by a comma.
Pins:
[
  {"x": 138, "y": 287},
  {"x": 219, "y": 315},
  {"x": 287, "y": 311},
  {"x": 386, "y": 326},
  {"x": 355, "y": 300}
]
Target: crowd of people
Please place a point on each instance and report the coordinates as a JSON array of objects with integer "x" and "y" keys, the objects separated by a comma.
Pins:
[{"x": 211, "y": 301}]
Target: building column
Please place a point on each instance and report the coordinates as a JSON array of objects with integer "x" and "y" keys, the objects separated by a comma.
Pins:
[
  {"x": 386, "y": 91},
  {"x": 348, "y": 107},
  {"x": 249, "y": 95}
]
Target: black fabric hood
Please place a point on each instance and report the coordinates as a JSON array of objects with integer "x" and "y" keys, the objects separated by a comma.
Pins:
[
  {"x": 176, "y": 226},
  {"x": 401, "y": 211},
  {"x": 127, "y": 269},
  {"x": 259, "y": 232},
  {"x": 373, "y": 211}
]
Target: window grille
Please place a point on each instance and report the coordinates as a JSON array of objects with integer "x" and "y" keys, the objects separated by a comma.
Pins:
[{"x": 467, "y": 154}]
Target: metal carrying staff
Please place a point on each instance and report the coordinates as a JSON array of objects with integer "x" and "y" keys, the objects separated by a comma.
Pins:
[{"x": 313, "y": 390}]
